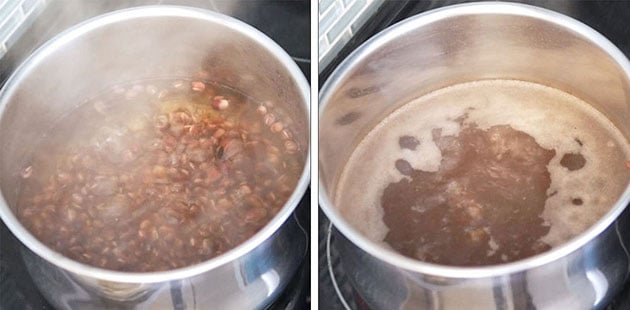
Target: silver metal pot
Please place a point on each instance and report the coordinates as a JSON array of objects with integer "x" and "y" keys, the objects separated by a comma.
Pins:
[
  {"x": 460, "y": 44},
  {"x": 135, "y": 44}
]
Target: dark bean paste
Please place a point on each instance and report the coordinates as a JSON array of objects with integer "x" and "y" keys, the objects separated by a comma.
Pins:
[
  {"x": 573, "y": 161},
  {"x": 482, "y": 207}
]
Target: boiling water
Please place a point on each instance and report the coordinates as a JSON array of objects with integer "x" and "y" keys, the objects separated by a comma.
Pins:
[{"x": 158, "y": 175}]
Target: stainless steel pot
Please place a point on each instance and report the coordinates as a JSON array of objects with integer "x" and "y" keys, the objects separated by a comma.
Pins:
[
  {"x": 459, "y": 44},
  {"x": 134, "y": 44}
]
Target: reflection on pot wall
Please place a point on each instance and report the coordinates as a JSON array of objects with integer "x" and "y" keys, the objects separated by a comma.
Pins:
[
  {"x": 256, "y": 277},
  {"x": 585, "y": 279},
  {"x": 395, "y": 74}
]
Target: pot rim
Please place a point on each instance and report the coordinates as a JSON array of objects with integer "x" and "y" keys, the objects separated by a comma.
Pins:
[
  {"x": 94, "y": 23},
  {"x": 403, "y": 27}
]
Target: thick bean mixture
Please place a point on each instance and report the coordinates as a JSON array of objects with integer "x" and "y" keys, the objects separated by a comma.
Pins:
[
  {"x": 482, "y": 207},
  {"x": 159, "y": 175}
]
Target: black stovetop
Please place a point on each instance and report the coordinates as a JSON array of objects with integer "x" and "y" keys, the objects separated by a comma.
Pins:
[
  {"x": 285, "y": 22},
  {"x": 610, "y": 18}
]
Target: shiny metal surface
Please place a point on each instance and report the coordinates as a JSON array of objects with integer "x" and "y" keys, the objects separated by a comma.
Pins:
[
  {"x": 454, "y": 45},
  {"x": 140, "y": 43}
]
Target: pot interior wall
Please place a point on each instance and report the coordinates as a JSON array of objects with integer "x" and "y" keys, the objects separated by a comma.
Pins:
[
  {"x": 128, "y": 48},
  {"x": 427, "y": 54}
]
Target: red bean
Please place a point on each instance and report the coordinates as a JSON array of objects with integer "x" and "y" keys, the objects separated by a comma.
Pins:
[{"x": 195, "y": 184}]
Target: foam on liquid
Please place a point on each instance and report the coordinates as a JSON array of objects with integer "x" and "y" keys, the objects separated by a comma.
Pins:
[{"x": 556, "y": 120}]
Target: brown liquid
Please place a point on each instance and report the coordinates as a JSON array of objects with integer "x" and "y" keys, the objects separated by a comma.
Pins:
[
  {"x": 159, "y": 175},
  {"x": 484, "y": 173}
]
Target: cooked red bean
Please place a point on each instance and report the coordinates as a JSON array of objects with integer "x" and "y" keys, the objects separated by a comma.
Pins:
[{"x": 195, "y": 183}]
